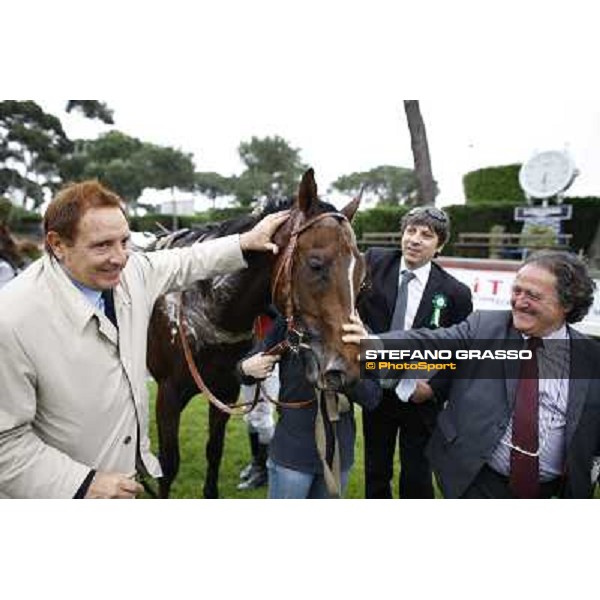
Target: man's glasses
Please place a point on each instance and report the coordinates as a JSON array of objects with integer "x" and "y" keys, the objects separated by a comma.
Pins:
[{"x": 429, "y": 211}]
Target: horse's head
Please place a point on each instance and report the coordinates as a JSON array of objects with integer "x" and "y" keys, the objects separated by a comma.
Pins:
[{"x": 316, "y": 279}]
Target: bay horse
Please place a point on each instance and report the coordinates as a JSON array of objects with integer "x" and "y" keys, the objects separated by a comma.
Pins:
[{"x": 313, "y": 281}]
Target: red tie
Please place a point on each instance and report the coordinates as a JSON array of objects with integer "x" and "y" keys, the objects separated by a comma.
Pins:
[{"x": 524, "y": 468}]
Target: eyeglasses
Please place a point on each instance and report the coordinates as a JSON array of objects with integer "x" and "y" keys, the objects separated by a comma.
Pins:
[{"x": 430, "y": 211}]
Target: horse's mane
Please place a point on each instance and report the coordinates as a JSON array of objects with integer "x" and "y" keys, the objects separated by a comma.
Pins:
[{"x": 209, "y": 231}]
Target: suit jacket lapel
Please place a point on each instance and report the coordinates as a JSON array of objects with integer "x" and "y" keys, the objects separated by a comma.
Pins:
[
  {"x": 426, "y": 305},
  {"x": 390, "y": 287},
  {"x": 578, "y": 384}
]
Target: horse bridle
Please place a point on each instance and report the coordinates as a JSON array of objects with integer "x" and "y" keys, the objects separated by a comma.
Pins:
[{"x": 295, "y": 338}]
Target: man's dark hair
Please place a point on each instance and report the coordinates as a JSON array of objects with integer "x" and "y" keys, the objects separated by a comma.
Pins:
[
  {"x": 574, "y": 286},
  {"x": 429, "y": 216}
]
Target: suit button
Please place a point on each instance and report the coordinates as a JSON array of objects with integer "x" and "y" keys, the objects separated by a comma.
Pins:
[{"x": 127, "y": 440}]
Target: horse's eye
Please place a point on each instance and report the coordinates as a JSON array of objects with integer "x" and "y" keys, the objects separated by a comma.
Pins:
[{"x": 315, "y": 263}]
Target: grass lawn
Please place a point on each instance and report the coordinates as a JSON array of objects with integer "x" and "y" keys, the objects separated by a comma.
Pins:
[{"x": 193, "y": 436}]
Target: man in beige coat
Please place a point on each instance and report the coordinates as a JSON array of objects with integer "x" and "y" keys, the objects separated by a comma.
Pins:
[{"x": 73, "y": 398}]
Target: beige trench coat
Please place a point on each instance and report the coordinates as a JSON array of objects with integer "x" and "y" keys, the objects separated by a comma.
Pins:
[{"x": 72, "y": 388}]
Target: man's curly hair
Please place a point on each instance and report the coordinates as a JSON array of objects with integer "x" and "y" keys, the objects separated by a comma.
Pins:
[{"x": 574, "y": 286}]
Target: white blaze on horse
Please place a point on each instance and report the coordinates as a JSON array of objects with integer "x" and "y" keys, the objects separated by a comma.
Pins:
[{"x": 313, "y": 281}]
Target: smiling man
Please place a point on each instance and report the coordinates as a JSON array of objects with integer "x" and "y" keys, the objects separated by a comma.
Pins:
[
  {"x": 407, "y": 291},
  {"x": 73, "y": 329},
  {"x": 535, "y": 432}
]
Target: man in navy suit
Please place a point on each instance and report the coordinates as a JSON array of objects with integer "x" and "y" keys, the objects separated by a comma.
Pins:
[{"x": 429, "y": 297}]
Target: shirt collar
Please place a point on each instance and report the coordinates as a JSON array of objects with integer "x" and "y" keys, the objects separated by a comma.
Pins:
[
  {"x": 422, "y": 273},
  {"x": 92, "y": 296},
  {"x": 558, "y": 334}
]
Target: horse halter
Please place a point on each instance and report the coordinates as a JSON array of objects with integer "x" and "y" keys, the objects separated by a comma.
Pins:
[{"x": 295, "y": 337}]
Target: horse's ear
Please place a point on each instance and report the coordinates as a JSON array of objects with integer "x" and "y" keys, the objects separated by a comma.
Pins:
[
  {"x": 307, "y": 193},
  {"x": 350, "y": 209}
]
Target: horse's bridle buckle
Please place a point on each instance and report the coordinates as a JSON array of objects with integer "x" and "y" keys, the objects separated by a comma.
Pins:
[{"x": 294, "y": 337}]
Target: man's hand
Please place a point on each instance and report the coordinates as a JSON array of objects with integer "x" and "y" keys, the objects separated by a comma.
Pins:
[
  {"x": 259, "y": 366},
  {"x": 113, "y": 485},
  {"x": 259, "y": 237},
  {"x": 422, "y": 393},
  {"x": 354, "y": 331}
]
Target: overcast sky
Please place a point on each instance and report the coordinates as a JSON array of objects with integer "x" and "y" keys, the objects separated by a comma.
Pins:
[
  {"x": 339, "y": 133},
  {"x": 496, "y": 81}
]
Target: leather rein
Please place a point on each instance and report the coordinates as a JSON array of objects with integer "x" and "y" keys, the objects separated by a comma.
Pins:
[{"x": 294, "y": 339}]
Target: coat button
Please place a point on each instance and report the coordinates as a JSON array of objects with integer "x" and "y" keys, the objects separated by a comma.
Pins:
[{"x": 127, "y": 440}]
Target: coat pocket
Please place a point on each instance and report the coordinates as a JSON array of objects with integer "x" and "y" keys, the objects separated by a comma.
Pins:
[{"x": 447, "y": 428}]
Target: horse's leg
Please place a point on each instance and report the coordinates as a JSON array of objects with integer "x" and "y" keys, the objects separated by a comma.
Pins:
[
  {"x": 169, "y": 405},
  {"x": 217, "y": 421}
]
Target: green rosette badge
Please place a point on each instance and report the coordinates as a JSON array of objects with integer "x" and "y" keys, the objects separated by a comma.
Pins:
[{"x": 439, "y": 303}]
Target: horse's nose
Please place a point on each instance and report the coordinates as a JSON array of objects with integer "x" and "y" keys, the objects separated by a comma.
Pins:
[{"x": 334, "y": 379}]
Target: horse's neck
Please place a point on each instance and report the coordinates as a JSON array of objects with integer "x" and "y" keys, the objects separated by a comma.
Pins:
[{"x": 240, "y": 297}]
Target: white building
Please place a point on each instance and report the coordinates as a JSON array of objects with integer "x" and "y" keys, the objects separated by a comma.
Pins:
[{"x": 177, "y": 207}]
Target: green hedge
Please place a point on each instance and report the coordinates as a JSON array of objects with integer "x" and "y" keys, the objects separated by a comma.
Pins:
[
  {"x": 482, "y": 217},
  {"x": 583, "y": 225},
  {"x": 386, "y": 218},
  {"x": 149, "y": 222},
  {"x": 494, "y": 184},
  {"x": 479, "y": 218},
  {"x": 377, "y": 219}
]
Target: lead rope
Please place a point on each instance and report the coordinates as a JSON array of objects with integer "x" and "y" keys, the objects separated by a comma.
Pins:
[
  {"x": 332, "y": 404},
  {"x": 240, "y": 408}
]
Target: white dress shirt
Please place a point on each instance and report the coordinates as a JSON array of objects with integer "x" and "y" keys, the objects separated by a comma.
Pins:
[
  {"x": 416, "y": 286},
  {"x": 554, "y": 369}
]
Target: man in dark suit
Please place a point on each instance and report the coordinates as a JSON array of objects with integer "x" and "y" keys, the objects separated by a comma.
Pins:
[
  {"x": 532, "y": 433},
  {"x": 429, "y": 297}
]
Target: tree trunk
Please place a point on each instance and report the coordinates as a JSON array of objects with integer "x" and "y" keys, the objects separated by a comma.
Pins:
[{"x": 418, "y": 137}]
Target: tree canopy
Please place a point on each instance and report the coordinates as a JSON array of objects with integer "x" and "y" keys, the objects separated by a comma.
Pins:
[
  {"x": 37, "y": 157},
  {"x": 391, "y": 186},
  {"x": 273, "y": 170},
  {"x": 127, "y": 165},
  {"x": 213, "y": 184},
  {"x": 92, "y": 109},
  {"x": 32, "y": 143}
]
